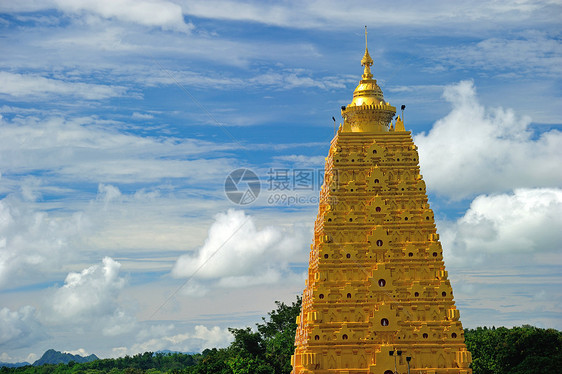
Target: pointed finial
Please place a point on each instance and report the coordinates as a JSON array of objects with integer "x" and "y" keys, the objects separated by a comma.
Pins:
[
  {"x": 399, "y": 125},
  {"x": 367, "y": 61}
]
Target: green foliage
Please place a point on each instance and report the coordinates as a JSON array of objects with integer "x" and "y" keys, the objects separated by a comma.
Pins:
[
  {"x": 247, "y": 343},
  {"x": 145, "y": 363},
  {"x": 267, "y": 350},
  {"x": 249, "y": 365},
  {"x": 279, "y": 335},
  {"x": 519, "y": 350},
  {"x": 212, "y": 361}
]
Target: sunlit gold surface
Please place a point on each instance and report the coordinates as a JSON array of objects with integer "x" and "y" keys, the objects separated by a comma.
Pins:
[
  {"x": 376, "y": 281},
  {"x": 367, "y": 112}
]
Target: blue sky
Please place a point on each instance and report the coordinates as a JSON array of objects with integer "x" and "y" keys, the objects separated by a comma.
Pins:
[{"x": 121, "y": 120}]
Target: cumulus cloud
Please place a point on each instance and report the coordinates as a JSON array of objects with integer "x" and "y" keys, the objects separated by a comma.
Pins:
[
  {"x": 167, "y": 337},
  {"x": 499, "y": 227},
  {"x": 108, "y": 193},
  {"x": 236, "y": 253},
  {"x": 33, "y": 242},
  {"x": 25, "y": 86},
  {"x": 39, "y": 242},
  {"x": 475, "y": 149},
  {"x": 92, "y": 297},
  {"x": 504, "y": 256},
  {"x": 20, "y": 328}
]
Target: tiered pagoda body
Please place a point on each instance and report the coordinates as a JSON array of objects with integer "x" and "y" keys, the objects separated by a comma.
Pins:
[{"x": 377, "y": 298}]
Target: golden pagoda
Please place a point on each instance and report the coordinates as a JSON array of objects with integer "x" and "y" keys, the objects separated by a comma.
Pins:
[{"x": 377, "y": 298}]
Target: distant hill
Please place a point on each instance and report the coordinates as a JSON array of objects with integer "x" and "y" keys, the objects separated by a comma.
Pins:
[
  {"x": 14, "y": 365},
  {"x": 56, "y": 357}
]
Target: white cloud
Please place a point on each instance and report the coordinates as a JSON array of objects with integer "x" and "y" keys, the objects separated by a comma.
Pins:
[
  {"x": 213, "y": 337},
  {"x": 81, "y": 149},
  {"x": 108, "y": 193},
  {"x": 92, "y": 291},
  {"x": 416, "y": 89},
  {"x": 237, "y": 254},
  {"x": 475, "y": 149},
  {"x": 280, "y": 79},
  {"x": 27, "y": 86},
  {"x": 324, "y": 14},
  {"x": 504, "y": 255},
  {"x": 19, "y": 328},
  {"x": 532, "y": 53},
  {"x": 143, "y": 116},
  {"x": 91, "y": 298},
  {"x": 158, "y": 13},
  {"x": 115, "y": 53},
  {"x": 33, "y": 242},
  {"x": 87, "y": 45},
  {"x": 133, "y": 226},
  {"x": 32, "y": 357},
  {"x": 312, "y": 14},
  {"x": 519, "y": 227},
  {"x": 310, "y": 161},
  {"x": 80, "y": 352},
  {"x": 297, "y": 79},
  {"x": 40, "y": 242},
  {"x": 167, "y": 337}
]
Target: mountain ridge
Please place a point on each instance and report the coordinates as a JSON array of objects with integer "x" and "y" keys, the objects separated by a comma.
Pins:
[
  {"x": 14, "y": 364},
  {"x": 55, "y": 357}
]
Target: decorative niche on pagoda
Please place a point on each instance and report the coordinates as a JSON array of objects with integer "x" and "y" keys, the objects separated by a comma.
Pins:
[{"x": 377, "y": 291}]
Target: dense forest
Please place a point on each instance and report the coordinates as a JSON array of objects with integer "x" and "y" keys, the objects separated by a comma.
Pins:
[{"x": 268, "y": 348}]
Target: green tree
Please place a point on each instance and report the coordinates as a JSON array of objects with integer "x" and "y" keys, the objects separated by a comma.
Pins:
[
  {"x": 247, "y": 353},
  {"x": 212, "y": 361},
  {"x": 267, "y": 350},
  {"x": 278, "y": 334},
  {"x": 519, "y": 350},
  {"x": 249, "y": 365}
]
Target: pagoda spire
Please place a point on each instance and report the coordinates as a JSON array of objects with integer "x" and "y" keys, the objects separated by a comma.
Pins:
[
  {"x": 367, "y": 61},
  {"x": 368, "y": 111}
]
